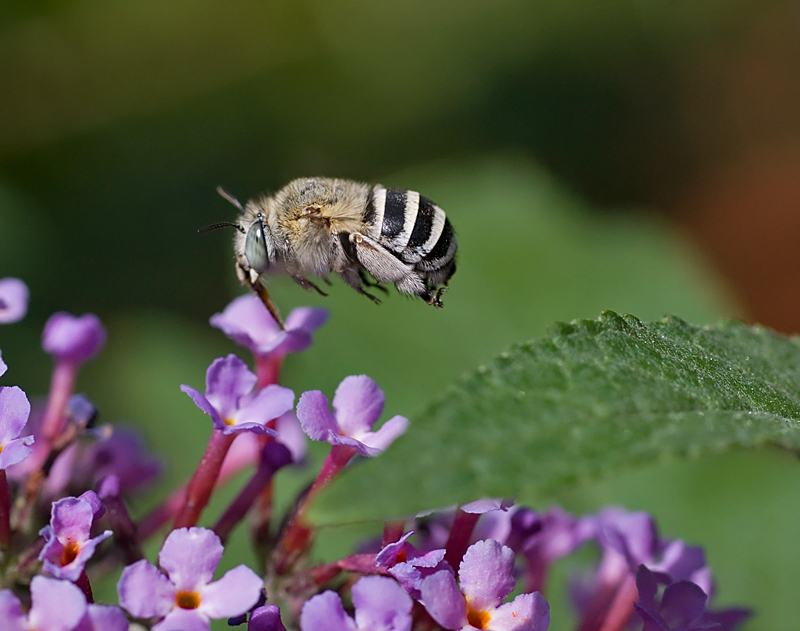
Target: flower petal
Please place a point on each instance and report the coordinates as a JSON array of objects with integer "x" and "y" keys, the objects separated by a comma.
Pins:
[
  {"x": 381, "y": 603},
  {"x": 268, "y": 404},
  {"x": 314, "y": 416},
  {"x": 144, "y": 591},
  {"x": 486, "y": 574},
  {"x": 228, "y": 379},
  {"x": 390, "y": 431},
  {"x": 443, "y": 601},
  {"x": 235, "y": 593},
  {"x": 205, "y": 405},
  {"x": 57, "y": 605},
  {"x": 527, "y": 612},
  {"x": 14, "y": 412},
  {"x": 357, "y": 404},
  {"x": 189, "y": 556},
  {"x": 11, "y": 611},
  {"x": 103, "y": 618},
  {"x": 183, "y": 620},
  {"x": 325, "y": 611}
]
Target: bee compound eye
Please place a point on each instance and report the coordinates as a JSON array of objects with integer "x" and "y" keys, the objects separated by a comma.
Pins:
[{"x": 255, "y": 247}]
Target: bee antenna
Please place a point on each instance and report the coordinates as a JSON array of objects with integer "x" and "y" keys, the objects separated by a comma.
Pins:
[
  {"x": 222, "y": 224},
  {"x": 230, "y": 198}
]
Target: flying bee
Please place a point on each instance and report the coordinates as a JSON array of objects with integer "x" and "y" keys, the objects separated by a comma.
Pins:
[{"x": 315, "y": 226}]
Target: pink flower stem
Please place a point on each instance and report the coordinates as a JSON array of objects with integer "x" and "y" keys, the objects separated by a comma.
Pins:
[
  {"x": 392, "y": 532},
  {"x": 62, "y": 385},
  {"x": 297, "y": 537},
  {"x": 204, "y": 479},
  {"x": 85, "y": 587},
  {"x": 596, "y": 612},
  {"x": 164, "y": 512},
  {"x": 458, "y": 541},
  {"x": 619, "y": 613},
  {"x": 259, "y": 481},
  {"x": 268, "y": 369},
  {"x": 5, "y": 510},
  {"x": 151, "y": 523}
]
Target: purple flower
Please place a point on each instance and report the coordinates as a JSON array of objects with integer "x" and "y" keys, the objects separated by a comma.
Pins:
[
  {"x": 121, "y": 454},
  {"x": 103, "y": 618},
  {"x": 186, "y": 598},
  {"x": 357, "y": 404},
  {"x": 266, "y": 618},
  {"x": 71, "y": 339},
  {"x": 380, "y": 605},
  {"x": 231, "y": 403},
  {"x": 13, "y": 300},
  {"x": 14, "y": 412},
  {"x": 486, "y": 577},
  {"x": 55, "y": 606},
  {"x": 68, "y": 543},
  {"x": 247, "y": 322},
  {"x": 545, "y": 538},
  {"x": 681, "y": 606}
]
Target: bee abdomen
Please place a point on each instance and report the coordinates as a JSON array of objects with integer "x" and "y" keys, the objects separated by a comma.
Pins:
[{"x": 411, "y": 227}]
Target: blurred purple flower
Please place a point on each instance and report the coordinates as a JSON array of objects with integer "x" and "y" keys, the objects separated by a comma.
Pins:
[
  {"x": 231, "y": 403},
  {"x": 681, "y": 607},
  {"x": 357, "y": 404},
  {"x": 543, "y": 538},
  {"x": 247, "y": 322},
  {"x": 13, "y": 300},
  {"x": 187, "y": 597},
  {"x": 122, "y": 454},
  {"x": 68, "y": 542},
  {"x": 73, "y": 339},
  {"x": 379, "y": 602},
  {"x": 486, "y": 578},
  {"x": 55, "y": 606}
]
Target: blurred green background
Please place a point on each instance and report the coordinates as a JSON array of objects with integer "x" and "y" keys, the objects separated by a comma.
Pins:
[{"x": 638, "y": 155}]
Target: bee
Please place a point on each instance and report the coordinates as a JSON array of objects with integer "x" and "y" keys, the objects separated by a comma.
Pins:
[{"x": 315, "y": 226}]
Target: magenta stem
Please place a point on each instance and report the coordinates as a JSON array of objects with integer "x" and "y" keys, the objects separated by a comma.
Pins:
[
  {"x": 86, "y": 587},
  {"x": 204, "y": 479},
  {"x": 460, "y": 533},
  {"x": 5, "y": 510},
  {"x": 297, "y": 537},
  {"x": 62, "y": 385},
  {"x": 260, "y": 480},
  {"x": 268, "y": 369},
  {"x": 621, "y": 608}
]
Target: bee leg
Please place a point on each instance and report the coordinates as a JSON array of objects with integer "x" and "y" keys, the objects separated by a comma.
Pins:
[
  {"x": 307, "y": 285},
  {"x": 355, "y": 280},
  {"x": 251, "y": 279},
  {"x": 368, "y": 283},
  {"x": 435, "y": 299}
]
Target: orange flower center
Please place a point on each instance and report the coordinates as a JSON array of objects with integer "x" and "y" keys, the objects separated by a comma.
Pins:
[
  {"x": 187, "y": 600},
  {"x": 69, "y": 552},
  {"x": 478, "y": 618}
]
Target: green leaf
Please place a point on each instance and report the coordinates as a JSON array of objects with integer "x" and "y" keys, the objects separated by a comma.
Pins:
[{"x": 592, "y": 398}]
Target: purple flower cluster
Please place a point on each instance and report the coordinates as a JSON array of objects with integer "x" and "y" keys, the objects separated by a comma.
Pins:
[{"x": 65, "y": 485}]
